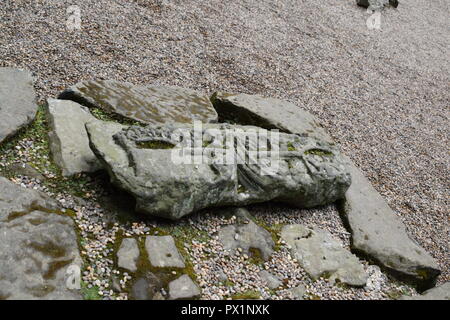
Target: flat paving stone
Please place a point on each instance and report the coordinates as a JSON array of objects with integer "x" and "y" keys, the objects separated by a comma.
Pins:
[
  {"x": 163, "y": 252},
  {"x": 321, "y": 255},
  {"x": 128, "y": 254},
  {"x": 183, "y": 288}
]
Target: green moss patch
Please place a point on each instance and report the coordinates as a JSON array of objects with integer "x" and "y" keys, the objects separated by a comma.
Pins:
[
  {"x": 247, "y": 295},
  {"x": 319, "y": 152},
  {"x": 255, "y": 256},
  {"x": 154, "y": 145},
  {"x": 290, "y": 146},
  {"x": 181, "y": 235},
  {"x": 90, "y": 293},
  {"x": 109, "y": 116},
  {"x": 274, "y": 230}
]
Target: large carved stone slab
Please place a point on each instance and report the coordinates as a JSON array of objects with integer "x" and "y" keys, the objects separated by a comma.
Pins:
[
  {"x": 141, "y": 160},
  {"x": 145, "y": 104}
]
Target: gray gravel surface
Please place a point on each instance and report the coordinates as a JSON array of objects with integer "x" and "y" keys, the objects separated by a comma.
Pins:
[{"x": 382, "y": 94}]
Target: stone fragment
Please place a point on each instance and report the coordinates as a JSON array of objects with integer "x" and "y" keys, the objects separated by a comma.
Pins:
[
  {"x": 183, "y": 288},
  {"x": 146, "y": 287},
  {"x": 145, "y": 104},
  {"x": 378, "y": 233},
  {"x": 269, "y": 279},
  {"x": 323, "y": 256},
  {"x": 246, "y": 236},
  {"x": 128, "y": 254},
  {"x": 163, "y": 252},
  {"x": 298, "y": 292},
  {"x": 25, "y": 169},
  {"x": 222, "y": 276},
  {"x": 17, "y": 101},
  {"x": 69, "y": 142},
  {"x": 268, "y": 113},
  {"x": 16, "y": 200},
  {"x": 441, "y": 292}
]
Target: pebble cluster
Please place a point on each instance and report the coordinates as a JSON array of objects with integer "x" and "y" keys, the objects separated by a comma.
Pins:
[{"x": 224, "y": 274}]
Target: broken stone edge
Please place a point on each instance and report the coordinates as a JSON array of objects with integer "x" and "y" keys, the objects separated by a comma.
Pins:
[
  {"x": 425, "y": 277},
  {"x": 29, "y": 120},
  {"x": 421, "y": 284}
]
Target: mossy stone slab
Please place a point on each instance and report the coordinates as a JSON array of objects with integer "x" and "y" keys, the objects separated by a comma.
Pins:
[
  {"x": 145, "y": 104},
  {"x": 17, "y": 101}
]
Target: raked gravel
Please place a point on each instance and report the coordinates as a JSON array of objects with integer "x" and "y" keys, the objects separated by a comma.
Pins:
[{"x": 382, "y": 94}]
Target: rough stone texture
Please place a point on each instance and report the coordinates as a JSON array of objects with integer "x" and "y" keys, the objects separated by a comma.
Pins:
[
  {"x": 146, "y": 104},
  {"x": 15, "y": 199},
  {"x": 298, "y": 292},
  {"x": 441, "y": 292},
  {"x": 69, "y": 142},
  {"x": 268, "y": 113},
  {"x": 386, "y": 235},
  {"x": 146, "y": 287},
  {"x": 271, "y": 281},
  {"x": 17, "y": 101},
  {"x": 100, "y": 134},
  {"x": 163, "y": 252},
  {"x": 310, "y": 172},
  {"x": 183, "y": 288},
  {"x": 378, "y": 233},
  {"x": 128, "y": 254},
  {"x": 37, "y": 246},
  {"x": 246, "y": 235},
  {"x": 321, "y": 255}
]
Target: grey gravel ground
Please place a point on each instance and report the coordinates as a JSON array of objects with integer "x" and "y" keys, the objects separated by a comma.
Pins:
[{"x": 383, "y": 95}]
